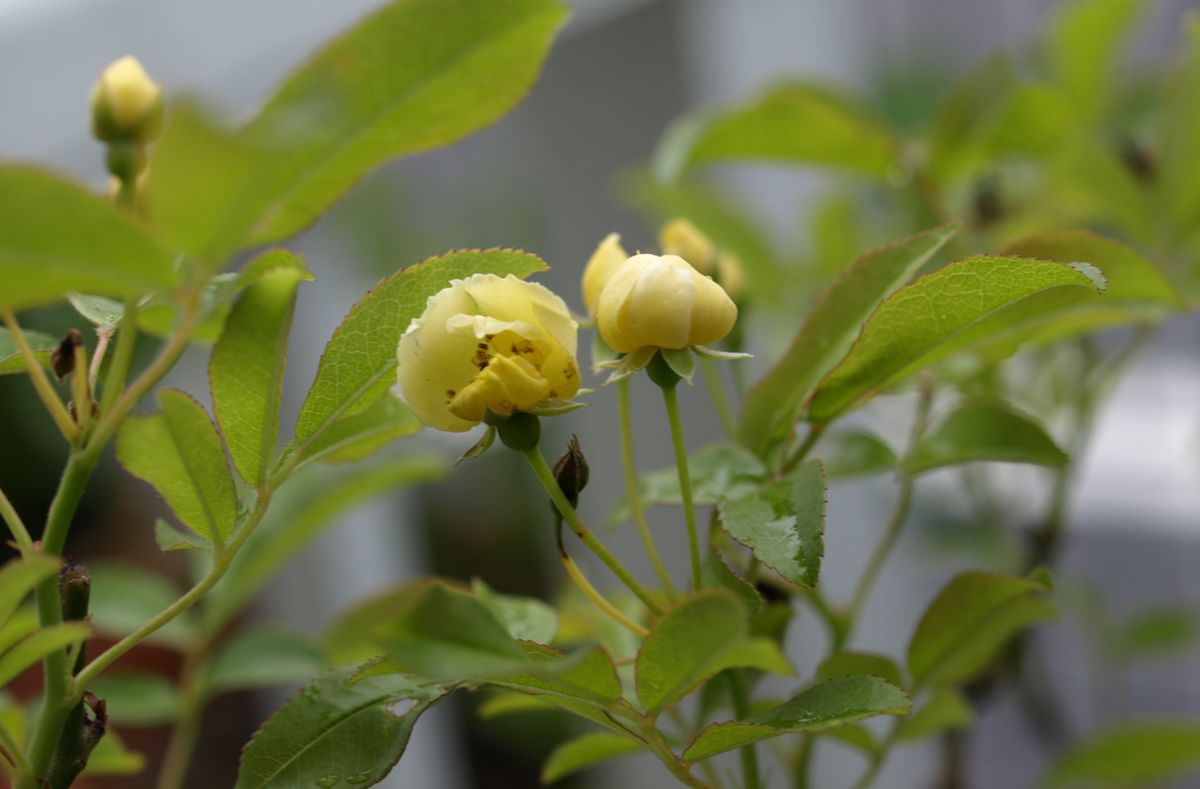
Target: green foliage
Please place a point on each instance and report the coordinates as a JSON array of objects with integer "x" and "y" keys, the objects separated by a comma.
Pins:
[
  {"x": 946, "y": 709},
  {"x": 178, "y": 451},
  {"x": 1084, "y": 42},
  {"x": 1153, "y": 632},
  {"x": 583, "y": 752},
  {"x": 375, "y": 94},
  {"x": 984, "y": 429},
  {"x": 10, "y": 358},
  {"x": 844, "y": 664},
  {"x": 356, "y": 437},
  {"x": 792, "y": 123},
  {"x": 943, "y": 312},
  {"x": 968, "y": 622},
  {"x": 822, "y": 706},
  {"x": 138, "y": 699},
  {"x": 18, "y": 578},
  {"x": 525, "y": 618},
  {"x": 123, "y": 597},
  {"x": 855, "y": 453},
  {"x": 774, "y": 403},
  {"x": 336, "y": 731},
  {"x": 1134, "y": 753},
  {"x": 37, "y": 645},
  {"x": 111, "y": 757},
  {"x": 247, "y": 365},
  {"x": 263, "y": 657},
  {"x": 57, "y": 238},
  {"x": 783, "y": 523}
]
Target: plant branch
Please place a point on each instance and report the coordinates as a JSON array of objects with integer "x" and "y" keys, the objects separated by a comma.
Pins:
[
  {"x": 16, "y": 526},
  {"x": 37, "y": 376},
  {"x": 632, "y": 492},
  {"x": 182, "y": 743},
  {"x": 118, "y": 369},
  {"x": 671, "y": 401},
  {"x": 815, "y": 431},
  {"x": 741, "y": 709}
]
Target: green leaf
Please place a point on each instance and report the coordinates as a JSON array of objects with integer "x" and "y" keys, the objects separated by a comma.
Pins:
[
  {"x": 1153, "y": 632},
  {"x": 964, "y": 120},
  {"x": 138, "y": 699},
  {"x": 10, "y": 358},
  {"x": 590, "y": 677},
  {"x": 37, "y": 645},
  {"x": 23, "y": 622},
  {"x": 967, "y": 623},
  {"x": 170, "y": 538},
  {"x": 847, "y": 663},
  {"x": 774, "y": 403},
  {"x": 856, "y": 453},
  {"x": 247, "y": 365},
  {"x": 947, "y": 709},
  {"x": 984, "y": 429},
  {"x": 98, "y": 309},
  {"x": 1085, "y": 38},
  {"x": 411, "y": 77},
  {"x": 513, "y": 703},
  {"x": 359, "y": 361},
  {"x": 124, "y": 597},
  {"x": 853, "y": 735},
  {"x": 1181, "y": 133},
  {"x": 57, "y": 238},
  {"x": 1134, "y": 753},
  {"x": 178, "y": 451},
  {"x": 111, "y": 757},
  {"x": 18, "y": 578},
  {"x": 356, "y": 437},
  {"x": 686, "y": 646},
  {"x": 335, "y": 732},
  {"x": 264, "y": 657},
  {"x": 583, "y": 752},
  {"x": 1137, "y": 292},
  {"x": 300, "y": 511},
  {"x": 792, "y": 123},
  {"x": 822, "y": 706},
  {"x": 525, "y": 618},
  {"x": 783, "y": 523},
  {"x": 717, "y": 470},
  {"x": 938, "y": 314},
  {"x": 718, "y": 573}
]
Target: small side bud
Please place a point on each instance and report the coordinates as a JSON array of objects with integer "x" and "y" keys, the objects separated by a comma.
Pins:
[
  {"x": 680, "y": 237},
  {"x": 571, "y": 472},
  {"x": 731, "y": 276},
  {"x": 62, "y": 358},
  {"x": 127, "y": 106}
]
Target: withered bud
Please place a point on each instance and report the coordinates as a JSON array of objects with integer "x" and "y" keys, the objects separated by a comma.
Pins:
[
  {"x": 62, "y": 358},
  {"x": 75, "y": 589},
  {"x": 571, "y": 471}
]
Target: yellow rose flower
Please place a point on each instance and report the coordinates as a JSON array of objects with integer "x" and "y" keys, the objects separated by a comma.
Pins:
[
  {"x": 663, "y": 302},
  {"x": 680, "y": 237},
  {"x": 487, "y": 343},
  {"x": 600, "y": 268},
  {"x": 126, "y": 104}
]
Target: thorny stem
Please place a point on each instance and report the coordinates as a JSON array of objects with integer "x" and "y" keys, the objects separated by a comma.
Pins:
[
  {"x": 712, "y": 379},
  {"x": 546, "y": 477},
  {"x": 37, "y": 376},
  {"x": 671, "y": 401},
  {"x": 632, "y": 492}
]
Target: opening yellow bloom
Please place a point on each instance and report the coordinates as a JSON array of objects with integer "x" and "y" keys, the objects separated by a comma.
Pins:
[
  {"x": 487, "y": 343},
  {"x": 662, "y": 301}
]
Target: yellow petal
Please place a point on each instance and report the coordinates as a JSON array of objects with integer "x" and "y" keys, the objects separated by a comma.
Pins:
[
  {"x": 680, "y": 237},
  {"x": 435, "y": 364},
  {"x": 604, "y": 262}
]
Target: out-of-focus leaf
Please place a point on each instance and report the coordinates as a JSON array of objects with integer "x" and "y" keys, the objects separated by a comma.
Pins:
[
  {"x": 1181, "y": 134},
  {"x": 124, "y": 597},
  {"x": 58, "y": 238},
  {"x": 264, "y": 657},
  {"x": 111, "y": 757},
  {"x": 138, "y": 699},
  {"x": 37, "y": 645},
  {"x": 1154, "y": 632},
  {"x": 583, "y": 752},
  {"x": 18, "y": 578},
  {"x": 855, "y": 453},
  {"x": 984, "y": 429},
  {"x": 525, "y": 618},
  {"x": 774, "y": 403},
  {"x": 1136, "y": 753},
  {"x": 845, "y": 664},
  {"x": 358, "y": 436},
  {"x": 10, "y": 358},
  {"x": 946, "y": 709},
  {"x": 98, "y": 309},
  {"x": 1085, "y": 38}
]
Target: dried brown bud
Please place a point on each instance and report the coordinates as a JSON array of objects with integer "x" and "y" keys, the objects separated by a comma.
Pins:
[
  {"x": 62, "y": 358},
  {"x": 571, "y": 471}
]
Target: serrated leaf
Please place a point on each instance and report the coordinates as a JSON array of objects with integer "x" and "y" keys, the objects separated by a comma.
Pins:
[
  {"x": 264, "y": 657},
  {"x": 411, "y": 77},
  {"x": 1133, "y": 753},
  {"x": 18, "y": 577},
  {"x": 124, "y": 597},
  {"x": 300, "y": 511},
  {"x": 792, "y": 123},
  {"x": 178, "y": 451},
  {"x": 1085, "y": 38},
  {"x": 583, "y": 752},
  {"x": 138, "y": 699},
  {"x": 783, "y": 523},
  {"x": 968, "y": 621},
  {"x": 247, "y": 365},
  {"x": 855, "y": 453},
  {"x": 358, "y": 436},
  {"x": 525, "y": 618},
  {"x": 360, "y": 359},
  {"x": 336, "y": 730},
  {"x": 171, "y": 539},
  {"x": 10, "y": 358},
  {"x": 940, "y": 313},
  {"x": 58, "y": 238},
  {"x": 37, "y": 645},
  {"x": 716, "y": 572},
  {"x": 774, "y": 403},
  {"x": 589, "y": 677},
  {"x": 984, "y": 429},
  {"x": 946, "y": 709},
  {"x": 686, "y": 646},
  {"x": 98, "y": 309},
  {"x": 847, "y": 663},
  {"x": 819, "y": 707}
]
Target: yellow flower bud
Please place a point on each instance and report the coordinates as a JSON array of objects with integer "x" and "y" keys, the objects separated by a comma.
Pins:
[
  {"x": 680, "y": 237},
  {"x": 126, "y": 104},
  {"x": 661, "y": 301},
  {"x": 731, "y": 275},
  {"x": 487, "y": 343},
  {"x": 600, "y": 267}
]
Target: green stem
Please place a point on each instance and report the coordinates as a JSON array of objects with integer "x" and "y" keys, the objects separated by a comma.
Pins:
[
  {"x": 815, "y": 431},
  {"x": 741, "y": 709},
  {"x": 712, "y": 379},
  {"x": 122, "y": 360},
  {"x": 173, "y": 772},
  {"x": 37, "y": 376},
  {"x": 16, "y": 526},
  {"x": 546, "y": 477},
  {"x": 631, "y": 488},
  {"x": 685, "y": 480},
  {"x": 678, "y": 768}
]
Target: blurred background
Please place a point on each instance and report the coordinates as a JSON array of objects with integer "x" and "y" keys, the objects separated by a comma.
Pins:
[{"x": 554, "y": 177}]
